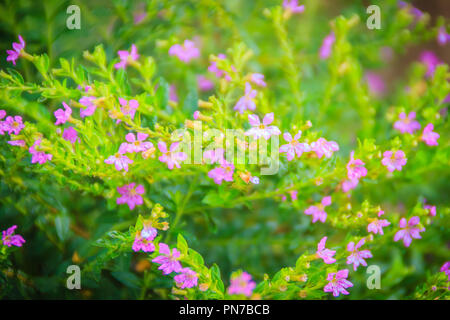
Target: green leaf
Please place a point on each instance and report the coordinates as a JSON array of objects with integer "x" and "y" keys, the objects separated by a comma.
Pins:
[
  {"x": 182, "y": 244},
  {"x": 62, "y": 224}
]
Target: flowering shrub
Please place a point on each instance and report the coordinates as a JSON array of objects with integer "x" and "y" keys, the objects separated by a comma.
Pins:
[{"x": 225, "y": 150}]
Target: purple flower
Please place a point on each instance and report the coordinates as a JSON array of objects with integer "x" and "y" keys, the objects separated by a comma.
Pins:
[
  {"x": 431, "y": 61},
  {"x": 126, "y": 57},
  {"x": 357, "y": 257},
  {"x": 185, "y": 52},
  {"x": 70, "y": 134},
  {"x": 128, "y": 107},
  {"x": 355, "y": 168},
  {"x": 171, "y": 157},
  {"x": 428, "y": 136},
  {"x": 376, "y": 225},
  {"x": 338, "y": 283},
  {"x": 348, "y": 185},
  {"x": 88, "y": 102},
  {"x": 219, "y": 72},
  {"x": 222, "y": 173},
  {"x": 62, "y": 115},
  {"x": 241, "y": 284},
  {"x": 293, "y": 147},
  {"x": 143, "y": 239},
  {"x": 214, "y": 156},
  {"x": 137, "y": 145},
  {"x": 262, "y": 129},
  {"x": 323, "y": 147},
  {"x": 13, "y": 55},
  {"x": 131, "y": 195},
  {"x": 407, "y": 123},
  {"x": 247, "y": 101},
  {"x": 408, "y": 230},
  {"x": 412, "y": 10},
  {"x": 443, "y": 37},
  {"x": 204, "y": 84},
  {"x": 292, "y": 5},
  {"x": 186, "y": 279},
  {"x": 19, "y": 143},
  {"x": 13, "y": 125},
  {"x": 431, "y": 209},
  {"x": 318, "y": 211},
  {"x": 9, "y": 239},
  {"x": 119, "y": 159},
  {"x": 325, "y": 254},
  {"x": 38, "y": 156},
  {"x": 394, "y": 161},
  {"x": 168, "y": 260},
  {"x": 258, "y": 79},
  {"x": 327, "y": 46},
  {"x": 375, "y": 83},
  {"x": 446, "y": 268}
]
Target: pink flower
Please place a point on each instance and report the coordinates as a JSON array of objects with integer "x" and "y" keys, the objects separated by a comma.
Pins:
[
  {"x": 446, "y": 268},
  {"x": 394, "y": 161},
  {"x": 325, "y": 254},
  {"x": 38, "y": 156},
  {"x": 129, "y": 107},
  {"x": 168, "y": 260},
  {"x": 204, "y": 84},
  {"x": 258, "y": 79},
  {"x": 242, "y": 284},
  {"x": 348, "y": 185},
  {"x": 292, "y": 5},
  {"x": 173, "y": 93},
  {"x": 408, "y": 230},
  {"x": 137, "y": 145},
  {"x": 431, "y": 209},
  {"x": 327, "y": 46},
  {"x": 88, "y": 102},
  {"x": 428, "y": 136},
  {"x": 262, "y": 129},
  {"x": 186, "y": 279},
  {"x": 443, "y": 37},
  {"x": 70, "y": 134},
  {"x": 357, "y": 257},
  {"x": 13, "y": 55},
  {"x": 19, "y": 143},
  {"x": 84, "y": 88},
  {"x": 185, "y": 52},
  {"x": 131, "y": 195},
  {"x": 222, "y": 173},
  {"x": 143, "y": 239},
  {"x": 62, "y": 115},
  {"x": 376, "y": 225},
  {"x": 318, "y": 211},
  {"x": 323, "y": 147},
  {"x": 219, "y": 72},
  {"x": 431, "y": 61},
  {"x": 375, "y": 83},
  {"x": 247, "y": 101},
  {"x": 407, "y": 123},
  {"x": 171, "y": 157},
  {"x": 119, "y": 159},
  {"x": 355, "y": 168},
  {"x": 126, "y": 57},
  {"x": 9, "y": 239},
  {"x": 338, "y": 283},
  {"x": 214, "y": 156},
  {"x": 294, "y": 147},
  {"x": 412, "y": 10},
  {"x": 13, "y": 125}
]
